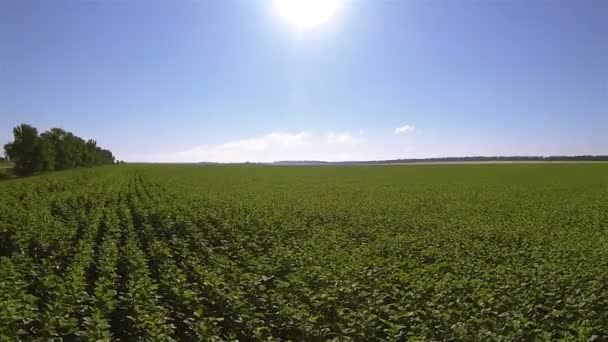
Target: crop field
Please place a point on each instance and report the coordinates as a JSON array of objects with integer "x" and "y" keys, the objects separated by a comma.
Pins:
[{"x": 306, "y": 253}]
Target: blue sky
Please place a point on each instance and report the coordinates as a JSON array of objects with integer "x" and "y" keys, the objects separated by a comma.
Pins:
[{"x": 231, "y": 80}]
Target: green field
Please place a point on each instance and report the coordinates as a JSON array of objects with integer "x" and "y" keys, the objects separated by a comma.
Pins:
[
  {"x": 6, "y": 171},
  {"x": 387, "y": 253}
]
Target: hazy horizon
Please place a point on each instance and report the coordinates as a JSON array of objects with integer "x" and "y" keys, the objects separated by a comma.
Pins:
[{"x": 343, "y": 80}]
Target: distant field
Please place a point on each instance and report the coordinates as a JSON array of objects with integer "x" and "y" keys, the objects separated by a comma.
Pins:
[
  {"x": 426, "y": 252},
  {"x": 6, "y": 171}
]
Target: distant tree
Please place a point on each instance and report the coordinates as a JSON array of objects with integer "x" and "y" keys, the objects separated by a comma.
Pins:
[
  {"x": 23, "y": 151},
  {"x": 91, "y": 157},
  {"x": 52, "y": 150},
  {"x": 46, "y": 152},
  {"x": 65, "y": 149}
]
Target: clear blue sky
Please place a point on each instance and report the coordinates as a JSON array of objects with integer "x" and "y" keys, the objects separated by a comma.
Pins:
[{"x": 231, "y": 80}]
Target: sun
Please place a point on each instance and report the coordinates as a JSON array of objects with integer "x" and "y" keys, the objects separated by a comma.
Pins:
[{"x": 308, "y": 14}]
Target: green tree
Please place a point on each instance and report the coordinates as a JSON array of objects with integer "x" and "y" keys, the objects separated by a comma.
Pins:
[
  {"x": 52, "y": 150},
  {"x": 23, "y": 151},
  {"x": 64, "y": 148},
  {"x": 46, "y": 152},
  {"x": 90, "y": 156}
]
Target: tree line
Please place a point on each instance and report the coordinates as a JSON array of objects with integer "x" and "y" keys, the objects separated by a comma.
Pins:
[
  {"x": 450, "y": 159},
  {"x": 55, "y": 149}
]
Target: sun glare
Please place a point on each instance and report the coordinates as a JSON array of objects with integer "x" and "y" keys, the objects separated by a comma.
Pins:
[{"x": 307, "y": 14}]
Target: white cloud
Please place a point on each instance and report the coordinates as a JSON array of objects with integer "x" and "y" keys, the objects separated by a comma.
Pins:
[
  {"x": 404, "y": 129},
  {"x": 342, "y": 138},
  {"x": 275, "y": 139},
  {"x": 274, "y": 146}
]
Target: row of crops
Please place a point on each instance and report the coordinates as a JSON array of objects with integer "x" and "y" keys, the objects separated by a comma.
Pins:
[{"x": 213, "y": 253}]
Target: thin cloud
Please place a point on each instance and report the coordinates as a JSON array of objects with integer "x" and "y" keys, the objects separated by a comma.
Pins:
[
  {"x": 342, "y": 138},
  {"x": 271, "y": 147},
  {"x": 406, "y": 129}
]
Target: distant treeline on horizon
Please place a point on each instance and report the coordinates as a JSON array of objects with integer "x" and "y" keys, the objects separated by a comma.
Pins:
[
  {"x": 456, "y": 159},
  {"x": 55, "y": 149}
]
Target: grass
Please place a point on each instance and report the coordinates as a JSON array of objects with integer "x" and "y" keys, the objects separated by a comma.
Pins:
[{"x": 6, "y": 171}]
